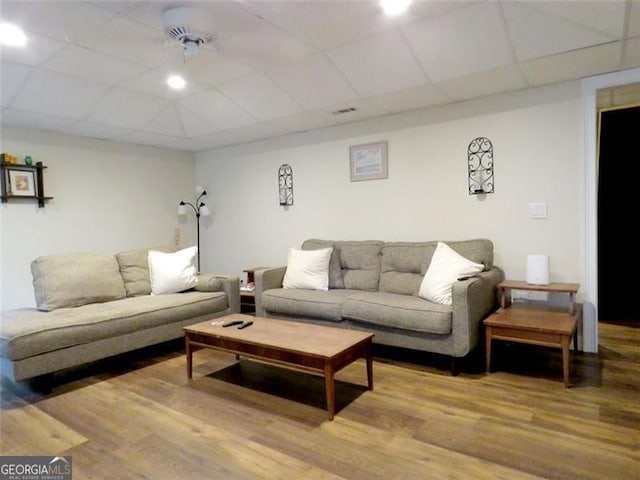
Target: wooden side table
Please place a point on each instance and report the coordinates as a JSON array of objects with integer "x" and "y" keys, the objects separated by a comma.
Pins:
[
  {"x": 546, "y": 326},
  {"x": 248, "y": 297}
]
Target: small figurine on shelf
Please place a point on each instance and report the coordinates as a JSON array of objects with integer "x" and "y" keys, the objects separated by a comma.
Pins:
[
  {"x": 7, "y": 158},
  {"x": 28, "y": 160}
]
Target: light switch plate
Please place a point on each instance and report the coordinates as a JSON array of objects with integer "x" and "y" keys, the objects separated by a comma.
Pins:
[{"x": 538, "y": 210}]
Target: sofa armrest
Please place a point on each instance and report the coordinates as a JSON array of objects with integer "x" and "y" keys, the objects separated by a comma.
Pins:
[
  {"x": 210, "y": 282},
  {"x": 473, "y": 300},
  {"x": 267, "y": 279}
]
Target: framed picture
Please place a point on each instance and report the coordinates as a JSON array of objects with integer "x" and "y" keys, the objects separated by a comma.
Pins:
[
  {"x": 22, "y": 183},
  {"x": 369, "y": 161}
]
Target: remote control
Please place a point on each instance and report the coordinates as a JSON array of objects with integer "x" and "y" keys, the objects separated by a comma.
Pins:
[
  {"x": 246, "y": 324},
  {"x": 232, "y": 322}
]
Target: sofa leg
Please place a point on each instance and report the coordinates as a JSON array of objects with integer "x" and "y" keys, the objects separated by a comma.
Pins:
[
  {"x": 455, "y": 366},
  {"x": 42, "y": 384}
]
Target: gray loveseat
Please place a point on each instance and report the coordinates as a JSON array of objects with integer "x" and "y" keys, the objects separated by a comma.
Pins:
[
  {"x": 373, "y": 286},
  {"x": 93, "y": 306}
]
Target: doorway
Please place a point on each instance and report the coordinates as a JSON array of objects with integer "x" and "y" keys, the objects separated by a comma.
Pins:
[{"x": 617, "y": 206}]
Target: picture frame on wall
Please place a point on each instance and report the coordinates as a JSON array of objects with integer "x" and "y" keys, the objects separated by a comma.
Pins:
[
  {"x": 369, "y": 161},
  {"x": 22, "y": 183}
]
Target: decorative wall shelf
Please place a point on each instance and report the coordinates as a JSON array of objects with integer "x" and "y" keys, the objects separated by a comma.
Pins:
[{"x": 22, "y": 182}]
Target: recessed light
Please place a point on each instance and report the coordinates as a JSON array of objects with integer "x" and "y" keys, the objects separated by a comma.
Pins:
[
  {"x": 394, "y": 7},
  {"x": 12, "y": 35},
  {"x": 176, "y": 82}
]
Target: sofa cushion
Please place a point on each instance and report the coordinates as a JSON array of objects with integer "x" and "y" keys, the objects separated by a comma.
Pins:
[
  {"x": 28, "y": 332},
  {"x": 326, "y": 305},
  {"x": 172, "y": 272},
  {"x": 393, "y": 310},
  {"x": 308, "y": 269},
  {"x": 134, "y": 268},
  {"x": 401, "y": 266},
  {"x": 335, "y": 271},
  {"x": 360, "y": 263},
  {"x": 74, "y": 279}
]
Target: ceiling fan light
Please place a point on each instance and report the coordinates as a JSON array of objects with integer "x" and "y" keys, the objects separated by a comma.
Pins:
[
  {"x": 176, "y": 82},
  {"x": 12, "y": 35},
  {"x": 394, "y": 7}
]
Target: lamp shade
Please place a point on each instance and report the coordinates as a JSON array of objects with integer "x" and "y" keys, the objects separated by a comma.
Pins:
[
  {"x": 182, "y": 209},
  {"x": 199, "y": 190},
  {"x": 204, "y": 210}
]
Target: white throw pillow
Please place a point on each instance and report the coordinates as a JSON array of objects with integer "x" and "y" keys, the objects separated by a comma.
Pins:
[
  {"x": 445, "y": 268},
  {"x": 172, "y": 272},
  {"x": 308, "y": 269}
]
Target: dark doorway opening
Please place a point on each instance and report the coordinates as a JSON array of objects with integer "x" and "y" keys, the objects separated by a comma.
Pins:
[{"x": 619, "y": 216}]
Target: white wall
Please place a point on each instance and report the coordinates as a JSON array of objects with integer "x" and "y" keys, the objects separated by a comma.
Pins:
[
  {"x": 108, "y": 197},
  {"x": 537, "y": 138}
]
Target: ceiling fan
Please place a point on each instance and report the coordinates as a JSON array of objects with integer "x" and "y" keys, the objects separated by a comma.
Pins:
[{"x": 190, "y": 28}]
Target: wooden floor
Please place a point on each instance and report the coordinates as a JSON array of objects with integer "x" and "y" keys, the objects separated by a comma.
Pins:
[{"x": 137, "y": 416}]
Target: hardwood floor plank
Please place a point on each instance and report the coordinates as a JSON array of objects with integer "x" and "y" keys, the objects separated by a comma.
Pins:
[{"x": 139, "y": 416}]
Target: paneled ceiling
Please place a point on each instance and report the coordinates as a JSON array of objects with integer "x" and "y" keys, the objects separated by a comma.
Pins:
[{"x": 98, "y": 68}]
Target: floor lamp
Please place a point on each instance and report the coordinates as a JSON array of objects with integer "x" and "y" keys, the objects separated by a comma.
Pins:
[{"x": 201, "y": 209}]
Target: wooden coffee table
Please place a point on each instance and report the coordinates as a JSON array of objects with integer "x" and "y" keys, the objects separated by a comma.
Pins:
[{"x": 301, "y": 346}]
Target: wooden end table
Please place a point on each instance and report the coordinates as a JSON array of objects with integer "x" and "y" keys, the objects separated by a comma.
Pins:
[{"x": 546, "y": 326}]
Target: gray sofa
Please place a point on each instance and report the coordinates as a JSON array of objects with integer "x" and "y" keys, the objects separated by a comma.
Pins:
[
  {"x": 94, "y": 306},
  {"x": 374, "y": 286}
]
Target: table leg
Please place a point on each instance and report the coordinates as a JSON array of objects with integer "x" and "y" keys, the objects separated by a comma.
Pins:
[
  {"x": 566, "y": 341},
  {"x": 488, "y": 348},
  {"x": 370, "y": 370},
  {"x": 330, "y": 387},
  {"x": 187, "y": 349}
]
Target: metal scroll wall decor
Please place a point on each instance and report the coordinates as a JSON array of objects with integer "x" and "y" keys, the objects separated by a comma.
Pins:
[
  {"x": 480, "y": 159},
  {"x": 285, "y": 184}
]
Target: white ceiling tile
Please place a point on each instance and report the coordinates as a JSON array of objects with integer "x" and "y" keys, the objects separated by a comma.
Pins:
[
  {"x": 37, "y": 50},
  {"x": 463, "y": 41},
  {"x": 632, "y": 53},
  {"x": 364, "y": 110},
  {"x": 126, "y": 108},
  {"x": 261, "y": 97},
  {"x": 91, "y": 65},
  {"x": 167, "y": 122},
  {"x": 211, "y": 67},
  {"x": 154, "y": 82},
  {"x": 150, "y": 139},
  {"x": 329, "y": 24},
  {"x": 603, "y": 16},
  {"x": 302, "y": 122},
  {"x": 410, "y": 99},
  {"x": 66, "y": 21},
  {"x": 264, "y": 48},
  {"x": 54, "y": 93},
  {"x": 314, "y": 83},
  {"x": 20, "y": 118},
  {"x": 537, "y": 33},
  {"x": 497, "y": 80},
  {"x": 220, "y": 112},
  {"x": 378, "y": 64},
  {"x": 94, "y": 130},
  {"x": 259, "y": 131},
  {"x": 570, "y": 65},
  {"x": 12, "y": 77},
  {"x": 221, "y": 139},
  {"x": 193, "y": 124},
  {"x": 634, "y": 19},
  {"x": 130, "y": 41},
  {"x": 192, "y": 145}
]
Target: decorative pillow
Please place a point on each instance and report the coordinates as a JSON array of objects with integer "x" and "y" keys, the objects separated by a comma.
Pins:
[
  {"x": 445, "y": 268},
  {"x": 75, "y": 279},
  {"x": 308, "y": 269},
  {"x": 172, "y": 272}
]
